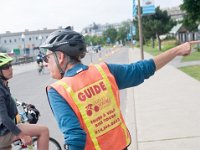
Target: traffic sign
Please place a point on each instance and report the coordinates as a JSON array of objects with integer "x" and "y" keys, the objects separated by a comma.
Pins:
[{"x": 148, "y": 7}]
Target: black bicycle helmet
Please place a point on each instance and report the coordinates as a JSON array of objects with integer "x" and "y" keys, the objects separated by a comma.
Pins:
[{"x": 65, "y": 40}]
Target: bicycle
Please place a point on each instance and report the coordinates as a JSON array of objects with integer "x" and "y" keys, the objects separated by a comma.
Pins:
[
  {"x": 53, "y": 145},
  {"x": 29, "y": 114},
  {"x": 40, "y": 67}
]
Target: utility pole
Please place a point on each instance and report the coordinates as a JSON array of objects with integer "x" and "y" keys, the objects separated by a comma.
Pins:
[{"x": 140, "y": 30}]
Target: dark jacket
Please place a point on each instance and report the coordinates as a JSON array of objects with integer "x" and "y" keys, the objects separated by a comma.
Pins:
[{"x": 8, "y": 111}]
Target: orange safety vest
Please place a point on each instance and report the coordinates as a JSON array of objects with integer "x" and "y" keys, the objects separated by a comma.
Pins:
[{"x": 94, "y": 97}]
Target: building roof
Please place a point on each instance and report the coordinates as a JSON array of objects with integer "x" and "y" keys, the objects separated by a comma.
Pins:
[
  {"x": 45, "y": 30},
  {"x": 175, "y": 29}
]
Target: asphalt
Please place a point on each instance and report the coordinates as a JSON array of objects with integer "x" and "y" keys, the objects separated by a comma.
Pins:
[
  {"x": 163, "y": 113},
  {"x": 21, "y": 68}
]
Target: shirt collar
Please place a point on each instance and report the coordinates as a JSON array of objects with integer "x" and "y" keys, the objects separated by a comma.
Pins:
[{"x": 75, "y": 70}]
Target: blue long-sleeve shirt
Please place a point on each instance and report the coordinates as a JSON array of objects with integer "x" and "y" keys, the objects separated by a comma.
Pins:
[{"x": 127, "y": 75}]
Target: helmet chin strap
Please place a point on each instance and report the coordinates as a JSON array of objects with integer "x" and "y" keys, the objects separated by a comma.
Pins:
[{"x": 58, "y": 65}]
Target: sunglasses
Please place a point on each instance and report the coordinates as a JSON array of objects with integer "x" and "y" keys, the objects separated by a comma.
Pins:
[
  {"x": 5, "y": 67},
  {"x": 46, "y": 58}
]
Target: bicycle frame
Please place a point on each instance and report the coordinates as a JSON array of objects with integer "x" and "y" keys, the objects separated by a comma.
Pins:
[{"x": 19, "y": 144}]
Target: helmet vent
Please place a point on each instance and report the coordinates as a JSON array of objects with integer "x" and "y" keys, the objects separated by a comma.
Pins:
[
  {"x": 52, "y": 40},
  {"x": 67, "y": 41},
  {"x": 69, "y": 37},
  {"x": 1, "y": 57},
  {"x": 60, "y": 38}
]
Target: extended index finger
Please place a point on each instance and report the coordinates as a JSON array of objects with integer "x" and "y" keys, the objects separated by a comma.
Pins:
[{"x": 195, "y": 42}]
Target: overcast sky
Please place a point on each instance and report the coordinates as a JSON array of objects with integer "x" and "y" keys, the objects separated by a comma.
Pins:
[{"x": 18, "y": 15}]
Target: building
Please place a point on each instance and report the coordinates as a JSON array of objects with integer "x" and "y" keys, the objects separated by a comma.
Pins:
[
  {"x": 181, "y": 33},
  {"x": 23, "y": 43},
  {"x": 176, "y": 13},
  {"x": 98, "y": 29}
]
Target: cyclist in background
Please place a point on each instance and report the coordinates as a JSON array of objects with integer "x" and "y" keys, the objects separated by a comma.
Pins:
[
  {"x": 9, "y": 130},
  {"x": 85, "y": 100},
  {"x": 39, "y": 60}
]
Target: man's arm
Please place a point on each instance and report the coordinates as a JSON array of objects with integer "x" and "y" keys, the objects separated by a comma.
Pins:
[
  {"x": 74, "y": 135},
  {"x": 167, "y": 56}
]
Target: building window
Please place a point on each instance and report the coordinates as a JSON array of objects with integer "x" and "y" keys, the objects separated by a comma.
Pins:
[
  {"x": 5, "y": 41},
  {"x": 15, "y": 40},
  {"x": 10, "y": 41},
  {"x": 36, "y": 38},
  {"x": 29, "y": 39}
]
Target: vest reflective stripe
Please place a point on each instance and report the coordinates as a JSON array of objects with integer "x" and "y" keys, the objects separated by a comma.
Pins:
[
  {"x": 111, "y": 92},
  {"x": 86, "y": 120},
  {"x": 83, "y": 93}
]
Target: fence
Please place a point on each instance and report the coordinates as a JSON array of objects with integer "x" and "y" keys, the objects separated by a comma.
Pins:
[{"x": 24, "y": 59}]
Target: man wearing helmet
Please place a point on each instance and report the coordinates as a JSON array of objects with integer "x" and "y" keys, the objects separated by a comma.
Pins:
[
  {"x": 9, "y": 131},
  {"x": 85, "y": 99}
]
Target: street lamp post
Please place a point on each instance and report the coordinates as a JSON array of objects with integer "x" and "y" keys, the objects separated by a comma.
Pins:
[
  {"x": 140, "y": 30},
  {"x": 40, "y": 42},
  {"x": 40, "y": 39},
  {"x": 23, "y": 39}
]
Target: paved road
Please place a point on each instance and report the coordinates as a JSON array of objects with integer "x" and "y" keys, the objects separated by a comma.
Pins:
[
  {"x": 28, "y": 86},
  {"x": 161, "y": 114}
]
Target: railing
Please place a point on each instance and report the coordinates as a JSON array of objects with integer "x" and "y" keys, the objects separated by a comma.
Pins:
[{"x": 22, "y": 60}]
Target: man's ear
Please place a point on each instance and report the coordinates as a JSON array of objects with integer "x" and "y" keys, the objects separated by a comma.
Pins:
[{"x": 61, "y": 57}]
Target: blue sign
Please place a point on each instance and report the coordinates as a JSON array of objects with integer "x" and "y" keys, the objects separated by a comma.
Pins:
[
  {"x": 149, "y": 9},
  {"x": 133, "y": 30},
  {"x": 108, "y": 40},
  {"x": 128, "y": 36},
  {"x": 134, "y": 9}
]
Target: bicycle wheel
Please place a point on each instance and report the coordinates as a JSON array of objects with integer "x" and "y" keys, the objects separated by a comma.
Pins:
[{"x": 53, "y": 144}]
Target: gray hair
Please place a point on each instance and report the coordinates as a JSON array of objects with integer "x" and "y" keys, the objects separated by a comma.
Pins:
[{"x": 72, "y": 60}]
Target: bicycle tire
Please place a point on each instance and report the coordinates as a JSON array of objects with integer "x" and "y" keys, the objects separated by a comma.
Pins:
[{"x": 53, "y": 144}]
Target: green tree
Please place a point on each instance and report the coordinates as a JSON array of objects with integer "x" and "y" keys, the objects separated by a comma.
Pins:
[
  {"x": 124, "y": 29},
  {"x": 88, "y": 39},
  {"x": 158, "y": 24},
  {"x": 94, "y": 40},
  {"x": 111, "y": 33},
  {"x": 192, "y": 17}
]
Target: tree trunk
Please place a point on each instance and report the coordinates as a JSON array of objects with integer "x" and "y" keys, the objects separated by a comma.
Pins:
[
  {"x": 153, "y": 42},
  {"x": 159, "y": 42}
]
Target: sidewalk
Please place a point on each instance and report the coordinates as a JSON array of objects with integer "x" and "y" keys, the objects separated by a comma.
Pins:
[{"x": 167, "y": 110}]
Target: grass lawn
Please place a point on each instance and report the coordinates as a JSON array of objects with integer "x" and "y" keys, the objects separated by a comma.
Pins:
[
  {"x": 193, "y": 71},
  {"x": 152, "y": 51},
  {"x": 166, "y": 45},
  {"x": 194, "y": 56}
]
